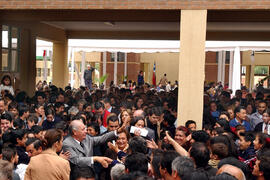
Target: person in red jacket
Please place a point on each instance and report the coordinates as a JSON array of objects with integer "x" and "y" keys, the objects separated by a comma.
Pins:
[{"x": 100, "y": 109}]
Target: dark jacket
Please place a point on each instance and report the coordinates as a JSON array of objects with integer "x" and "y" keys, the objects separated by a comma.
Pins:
[
  {"x": 23, "y": 157},
  {"x": 88, "y": 74}
]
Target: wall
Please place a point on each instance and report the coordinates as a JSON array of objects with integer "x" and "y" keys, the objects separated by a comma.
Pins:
[
  {"x": 261, "y": 58},
  {"x": 168, "y": 63},
  {"x": 165, "y": 63},
  {"x": 89, "y": 57},
  {"x": 40, "y": 64}
]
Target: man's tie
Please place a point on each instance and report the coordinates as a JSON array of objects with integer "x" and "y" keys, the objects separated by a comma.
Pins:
[{"x": 82, "y": 145}]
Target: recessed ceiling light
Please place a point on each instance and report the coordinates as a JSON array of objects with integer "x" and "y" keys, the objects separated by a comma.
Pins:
[{"x": 110, "y": 23}]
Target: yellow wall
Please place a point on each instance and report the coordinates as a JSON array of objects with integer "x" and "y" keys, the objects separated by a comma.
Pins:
[
  {"x": 261, "y": 58},
  {"x": 60, "y": 68},
  {"x": 89, "y": 57},
  {"x": 40, "y": 64},
  {"x": 165, "y": 63}
]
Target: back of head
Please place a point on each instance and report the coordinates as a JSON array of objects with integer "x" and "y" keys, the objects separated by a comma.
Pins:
[
  {"x": 167, "y": 159},
  {"x": 136, "y": 162},
  {"x": 219, "y": 149},
  {"x": 232, "y": 150},
  {"x": 224, "y": 176},
  {"x": 52, "y": 136},
  {"x": 200, "y": 153},
  {"x": 199, "y": 175},
  {"x": 117, "y": 171},
  {"x": 6, "y": 170},
  {"x": 184, "y": 166},
  {"x": 9, "y": 152},
  {"x": 157, "y": 155},
  {"x": 200, "y": 136},
  {"x": 232, "y": 170},
  {"x": 138, "y": 144},
  {"x": 234, "y": 162},
  {"x": 82, "y": 173}
]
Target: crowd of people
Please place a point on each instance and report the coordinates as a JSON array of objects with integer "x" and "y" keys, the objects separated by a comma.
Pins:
[{"x": 132, "y": 134}]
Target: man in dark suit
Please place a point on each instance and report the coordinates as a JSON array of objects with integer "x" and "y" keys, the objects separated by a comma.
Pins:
[
  {"x": 80, "y": 145},
  {"x": 264, "y": 126}
]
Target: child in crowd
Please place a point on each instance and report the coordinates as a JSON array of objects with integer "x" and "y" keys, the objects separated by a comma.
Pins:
[{"x": 6, "y": 85}]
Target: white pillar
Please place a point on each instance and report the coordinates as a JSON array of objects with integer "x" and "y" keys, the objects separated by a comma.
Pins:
[
  {"x": 115, "y": 69},
  {"x": 236, "y": 77},
  {"x": 72, "y": 68},
  {"x": 251, "y": 78},
  {"x": 231, "y": 69},
  {"x": 83, "y": 68},
  {"x": 125, "y": 67},
  {"x": 104, "y": 65},
  {"x": 45, "y": 65},
  {"x": 221, "y": 66}
]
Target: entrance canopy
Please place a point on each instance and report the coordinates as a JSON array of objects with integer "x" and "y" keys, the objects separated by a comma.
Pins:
[
  {"x": 152, "y": 46},
  {"x": 155, "y": 46}
]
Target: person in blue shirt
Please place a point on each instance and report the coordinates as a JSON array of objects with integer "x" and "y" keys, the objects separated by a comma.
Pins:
[
  {"x": 213, "y": 109},
  {"x": 140, "y": 78},
  {"x": 240, "y": 119}
]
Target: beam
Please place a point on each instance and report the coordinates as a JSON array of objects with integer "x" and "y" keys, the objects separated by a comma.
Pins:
[
  {"x": 40, "y": 30},
  {"x": 90, "y": 15}
]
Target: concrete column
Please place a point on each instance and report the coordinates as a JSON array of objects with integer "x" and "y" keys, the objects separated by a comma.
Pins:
[
  {"x": 115, "y": 69},
  {"x": 60, "y": 67},
  {"x": 83, "y": 68},
  {"x": 251, "y": 77},
  {"x": 104, "y": 65},
  {"x": 231, "y": 69},
  {"x": 125, "y": 67},
  {"x": 191, "y": 66},
  {"x": 247, "y": 76},
  {"x": 236, "y": 77},
  {"x": 27, "y": 62},
  {"x": 221, "y": 66}
]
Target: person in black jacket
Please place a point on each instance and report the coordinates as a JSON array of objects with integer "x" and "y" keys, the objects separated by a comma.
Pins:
[{"x": 88, "y": 76}]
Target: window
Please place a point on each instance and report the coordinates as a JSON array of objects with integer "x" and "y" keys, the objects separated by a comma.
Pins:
[
  {"x": 244, "y": 69},
  {"x": 120, "y": 57},
  {"x": 10, "y": 48},
  {"x": 261, "y": 70},
  {"x": 38, "y": 72}
]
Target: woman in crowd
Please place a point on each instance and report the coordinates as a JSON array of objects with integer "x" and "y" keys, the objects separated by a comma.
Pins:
[
  {"x": 126, "y": 115},
  {"x": 48, "y": 165},
  {"x": 182, "y": 137}
]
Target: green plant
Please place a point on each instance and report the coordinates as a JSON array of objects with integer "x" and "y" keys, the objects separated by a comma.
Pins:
[{"x": 102, "y": 79}]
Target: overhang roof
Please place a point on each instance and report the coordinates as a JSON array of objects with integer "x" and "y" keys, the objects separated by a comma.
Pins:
[{"x": 253, "y": 25}]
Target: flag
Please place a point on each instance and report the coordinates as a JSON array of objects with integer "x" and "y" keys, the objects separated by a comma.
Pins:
[{"x": 154, "y": 75}]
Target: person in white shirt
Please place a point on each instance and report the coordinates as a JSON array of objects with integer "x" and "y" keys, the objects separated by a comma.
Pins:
[
  {"x": 6, "y": 85},
  {"x": 168, "y": 87}
]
